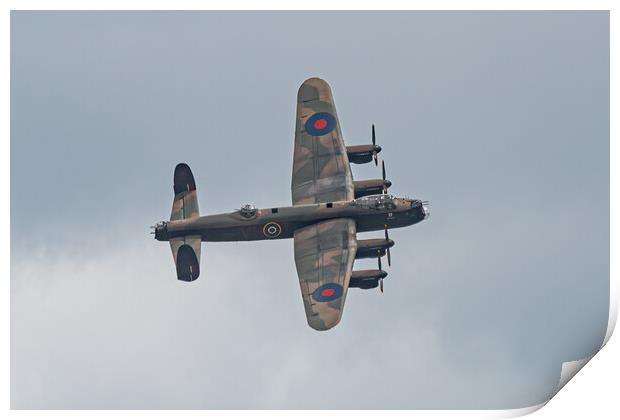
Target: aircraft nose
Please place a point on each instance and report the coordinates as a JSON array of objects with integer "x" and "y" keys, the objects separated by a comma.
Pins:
[
  {"x": 387, "y": 183},
  {"x": 426, "y": 209}
]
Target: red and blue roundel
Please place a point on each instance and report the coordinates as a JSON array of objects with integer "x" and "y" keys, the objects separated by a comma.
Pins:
[
  {"x": 320, "y": 124},
  {"x": 327, "y": 292}
]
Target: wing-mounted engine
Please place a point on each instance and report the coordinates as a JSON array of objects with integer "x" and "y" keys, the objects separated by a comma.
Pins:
[
  {"x": 364, "y": 153},
  {"x": 366, "y": 279},
  {"x": 372, "y": 186},
  {"x": 372, "y": 248}
]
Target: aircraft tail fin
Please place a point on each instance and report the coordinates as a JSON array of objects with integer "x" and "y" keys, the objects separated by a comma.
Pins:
[
  {"x": 186, "y": 254},
  {"x": 185, "y": 204}
]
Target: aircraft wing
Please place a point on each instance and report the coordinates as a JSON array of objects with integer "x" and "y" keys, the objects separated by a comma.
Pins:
[
  {"x": 324, "y": 256},
  {"x": 321, "y": 171}
]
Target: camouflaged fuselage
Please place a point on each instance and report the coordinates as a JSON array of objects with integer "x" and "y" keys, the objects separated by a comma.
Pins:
[{"x": 281, "y": 222}]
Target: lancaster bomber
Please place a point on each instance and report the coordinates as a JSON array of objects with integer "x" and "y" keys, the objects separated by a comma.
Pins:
[{"x": 329, "y": 209}]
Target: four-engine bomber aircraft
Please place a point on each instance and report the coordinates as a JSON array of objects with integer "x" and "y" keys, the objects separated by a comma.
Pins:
[{"x": 328, "y": 209}]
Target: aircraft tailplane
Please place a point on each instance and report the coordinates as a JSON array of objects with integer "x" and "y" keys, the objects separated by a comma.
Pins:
[{"x": 185, "y": 250}]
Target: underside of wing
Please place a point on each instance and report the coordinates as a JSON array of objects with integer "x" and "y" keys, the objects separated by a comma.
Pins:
[
  {"x": 324, "y": 256},
  {"x": 321, "y": 171}
]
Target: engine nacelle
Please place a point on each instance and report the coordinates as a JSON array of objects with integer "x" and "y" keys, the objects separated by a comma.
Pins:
[
  {"x": 372, "y": 248},
  {"x": 366, "y": 279},
  {"x": 362, "y": 153},
  {"x": 370, "y": 187}
]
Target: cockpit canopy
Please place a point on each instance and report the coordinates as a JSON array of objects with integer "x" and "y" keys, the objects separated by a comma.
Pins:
[{"x": 379, "y": 202}]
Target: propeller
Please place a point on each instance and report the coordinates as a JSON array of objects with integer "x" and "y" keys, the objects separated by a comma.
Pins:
[
  {"x": 389, "y": 256},
  {"x": 380, "y": 279},
  {"x": 374, "y": 143},
  {"x": 385, "y": 186}
]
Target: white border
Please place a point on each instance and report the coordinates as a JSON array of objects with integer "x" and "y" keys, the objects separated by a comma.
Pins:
[{"x": 568, "y": 369}]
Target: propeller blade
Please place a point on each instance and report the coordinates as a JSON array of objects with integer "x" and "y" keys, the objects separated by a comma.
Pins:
[
  {"x": 380, "y": 269},
  {"x": 374, "y": 143},
  {"x": 374, "y": 140},
  {"x": 387, "y": 238},
  {"x": 385, "y": 187}
]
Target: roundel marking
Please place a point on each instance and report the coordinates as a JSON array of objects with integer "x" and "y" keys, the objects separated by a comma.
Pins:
[
  {"x": 320, "y": 124},
  {"x": 327, "y": 292},
  {"x": 272, "y": 230}
]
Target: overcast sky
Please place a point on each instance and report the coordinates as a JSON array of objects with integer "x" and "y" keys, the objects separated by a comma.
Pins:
[{"x": 501, "y": 120}]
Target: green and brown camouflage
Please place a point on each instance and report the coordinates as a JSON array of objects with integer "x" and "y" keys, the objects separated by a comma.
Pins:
[
  {"x": 323, "y": 220},
  {"x": 185, "y": 206},
  {"x": 324, "y": 254},
  {"x": 370, "y": 213},
  {"x": 321, "y": 171}
]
